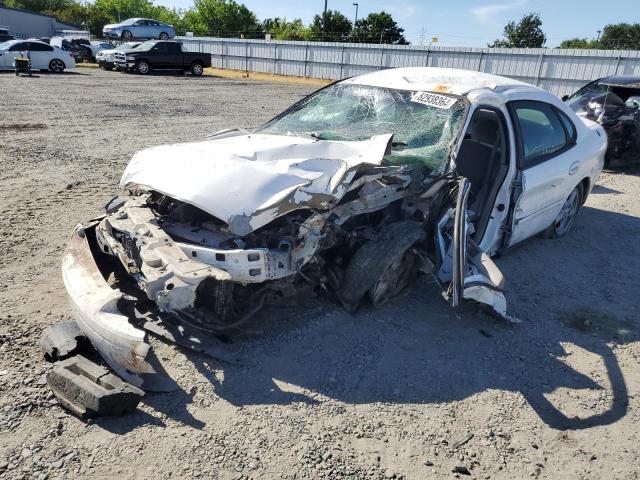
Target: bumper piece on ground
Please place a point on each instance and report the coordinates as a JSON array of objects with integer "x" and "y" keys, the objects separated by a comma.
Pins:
[
  {"x": 95, "y": 307},
  {"x": 62, "y": 341},
  {"x": 89, "y": 390}
]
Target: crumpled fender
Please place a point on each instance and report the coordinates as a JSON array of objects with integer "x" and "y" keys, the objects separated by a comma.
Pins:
[{"x": 95, "y": 309}]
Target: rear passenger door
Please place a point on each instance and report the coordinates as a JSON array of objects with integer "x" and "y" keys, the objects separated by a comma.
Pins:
[
  {"x": 40, "y": 55},
  {"x": 547, "y": 163}
]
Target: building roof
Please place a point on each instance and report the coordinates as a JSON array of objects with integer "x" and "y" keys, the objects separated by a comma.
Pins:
[
  {"x": 432, "y": 79},
  {"x": 39, "y": 14}
]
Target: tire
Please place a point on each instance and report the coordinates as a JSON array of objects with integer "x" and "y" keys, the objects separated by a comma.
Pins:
[
  {"x": 196, "y": 69},
  {"x": 143, "y": 67},
  {"x": 126, "y": 35},
  {"x": 373, "y": 260},
  {"x": 108, "y": 67},
  {"x": 567, "y": 216},
  {"x": 163, "y": 36},
  {"x": 56, "y": 66}
]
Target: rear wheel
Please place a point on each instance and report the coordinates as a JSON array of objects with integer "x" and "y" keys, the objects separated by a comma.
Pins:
[
  {"x": 567, "y": 216},
  {"x": 142, "y": 67},
  {"x": 197, "y": 69},
  {"x": 164, "y": 36},
  {"x": 126, "y": 35},
  {"x": 56, "y": 66}
]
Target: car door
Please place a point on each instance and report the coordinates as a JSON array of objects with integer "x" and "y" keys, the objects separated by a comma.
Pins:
[
  {"x": 40, "y": 55},
  {"x": 16, "y": 50},
  {"x": 546, "y": 164},
  {"x": 160, "y": 57},
  {"x": 465, "y": 271}
]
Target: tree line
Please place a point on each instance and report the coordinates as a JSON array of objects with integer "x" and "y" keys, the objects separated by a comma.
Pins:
[
  {"x": 223, "y": 18},
  {"x": 228, "y": 18},
  {"x": 528, "y": 33}
]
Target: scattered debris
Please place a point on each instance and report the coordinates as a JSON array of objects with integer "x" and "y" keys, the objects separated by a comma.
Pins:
[
  {"x": 89, "y": 390},
  {"x": 63, "y": 340},
  {"x": 461, "y": 468}
]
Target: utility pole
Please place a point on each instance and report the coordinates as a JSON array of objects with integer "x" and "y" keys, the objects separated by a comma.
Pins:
[
  {"x": 324, "y": 19},
  {"x": 356, "y": 20}
]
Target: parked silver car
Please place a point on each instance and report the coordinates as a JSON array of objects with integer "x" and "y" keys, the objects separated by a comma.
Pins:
[{"x": 139, "y": 28}]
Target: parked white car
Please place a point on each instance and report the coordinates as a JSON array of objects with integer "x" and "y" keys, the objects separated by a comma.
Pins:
[
  {"x": 42, "y": 56},
  {"x": 351, "y": 192},
  {"x": 106, "y": 58}
]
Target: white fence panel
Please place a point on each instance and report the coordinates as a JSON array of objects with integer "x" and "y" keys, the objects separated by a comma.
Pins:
[{"x": 559, "y": 71}]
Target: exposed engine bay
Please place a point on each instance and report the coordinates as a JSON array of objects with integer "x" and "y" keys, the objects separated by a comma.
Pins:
[{"x": 190, "y": 264}]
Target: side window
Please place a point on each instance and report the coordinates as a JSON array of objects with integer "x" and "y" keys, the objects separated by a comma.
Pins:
[
  {"x": 568, "y": 125},
  {"x": 542, "y": 133},
  {"x": 40, "y": 47},
  {"x": 173, "y": 48},
  {"x": 160, "y": 48},
  {"x": 139, "y": 23},
  {"x": 19, "y": 47}
]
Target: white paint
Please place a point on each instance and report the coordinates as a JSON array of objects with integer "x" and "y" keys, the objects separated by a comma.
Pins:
[
  {"x": 249, "y": 175},
  {"x": 434, "y": 100}
]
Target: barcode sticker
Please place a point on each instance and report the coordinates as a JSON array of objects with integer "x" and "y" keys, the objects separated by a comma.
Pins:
[{"x": 434, "y": 100}]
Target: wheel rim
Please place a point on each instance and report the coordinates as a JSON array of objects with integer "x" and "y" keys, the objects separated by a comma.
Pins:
[
  {"x": 127, "y": 34},
  {"x": 197, "y": 69},
  {"x": 163, "y": 36},
  {"x": 143, "y": 67},
  {"x": 567, "y": 214},
  {"x": 57, "y": 66}
]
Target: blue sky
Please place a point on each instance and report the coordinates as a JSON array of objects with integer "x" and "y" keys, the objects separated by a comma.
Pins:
[{"x": 462, "y": 22}]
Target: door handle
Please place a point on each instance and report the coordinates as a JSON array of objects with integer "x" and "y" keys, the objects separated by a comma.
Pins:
[{"x": 574, "y": 168}]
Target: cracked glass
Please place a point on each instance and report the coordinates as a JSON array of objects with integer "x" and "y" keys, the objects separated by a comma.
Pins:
[{"x": 423, "y": 133}]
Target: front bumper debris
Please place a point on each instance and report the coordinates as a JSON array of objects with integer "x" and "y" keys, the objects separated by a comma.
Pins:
[
  {"x": 95, "y": 308},
  {"x": 89, "y": 390}
]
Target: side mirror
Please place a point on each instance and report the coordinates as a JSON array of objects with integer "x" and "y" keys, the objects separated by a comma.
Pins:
[{"x": 565, "y": 98}]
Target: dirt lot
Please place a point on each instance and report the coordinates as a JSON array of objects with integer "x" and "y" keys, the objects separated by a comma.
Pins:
[{"x": 406, "y": 391}]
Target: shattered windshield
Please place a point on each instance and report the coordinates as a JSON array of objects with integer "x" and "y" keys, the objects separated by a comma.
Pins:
[{"x": 424, "y": 124}]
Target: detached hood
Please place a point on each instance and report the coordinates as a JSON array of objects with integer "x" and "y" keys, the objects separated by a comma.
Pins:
[{"x": 249, "y": 180}]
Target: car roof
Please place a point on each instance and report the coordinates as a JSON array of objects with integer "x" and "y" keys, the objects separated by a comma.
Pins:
[
  {"x": 631, "y": 81},
  {"x": 435, "y": 79}
]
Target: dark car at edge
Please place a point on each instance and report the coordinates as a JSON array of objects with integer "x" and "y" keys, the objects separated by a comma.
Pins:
[{"x": 614, "y": 102}]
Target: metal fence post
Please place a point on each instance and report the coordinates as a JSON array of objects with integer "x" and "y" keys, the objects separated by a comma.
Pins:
[
  {"x": 426, "y": 61},
  {"x": 306, "y": 57},
  {"x": 540, "y": 64},
  {"x": 341, "y": 61},
  {"x": 480, "y": 61},
  {"x": 381, "y": 57},
  {"x": 275, "y": 56},
  {"x": 618, "y": 63},
  {"x": 246, "y": 57}
]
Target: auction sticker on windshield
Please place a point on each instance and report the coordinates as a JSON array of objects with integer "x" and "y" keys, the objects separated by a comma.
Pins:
[{"x": 434, "y": 100}]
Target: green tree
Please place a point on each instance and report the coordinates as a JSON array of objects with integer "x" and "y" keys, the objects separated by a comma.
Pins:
[
  {"x": 378, "y": 28},
  {"x": 621, "y": 36},
  {"x": 281, "y": 29},
  {"x": 221, "y": 17},
  {"x": 579, "y": 43},
  {"x": 338, "y": 27},
  {"x": 527, "y": 33}
]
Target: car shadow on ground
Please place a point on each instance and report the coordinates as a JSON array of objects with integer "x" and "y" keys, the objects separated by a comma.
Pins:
[
  {"x": 38, "y": 73},
  {"x": 417, "y": 350}
]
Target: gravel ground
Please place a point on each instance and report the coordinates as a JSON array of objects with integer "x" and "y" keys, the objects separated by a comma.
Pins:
[{"x": 412, "y": 390}]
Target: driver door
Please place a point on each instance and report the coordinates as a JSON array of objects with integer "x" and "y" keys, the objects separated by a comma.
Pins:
[{"x": 466, "y": 271}]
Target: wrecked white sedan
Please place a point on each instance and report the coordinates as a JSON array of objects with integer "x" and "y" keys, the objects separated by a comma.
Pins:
[{"x": 352, "y": 191}]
